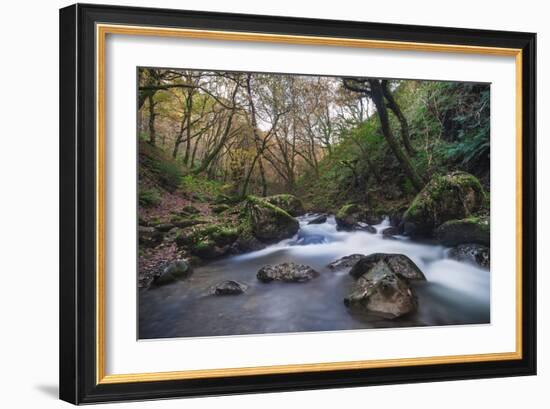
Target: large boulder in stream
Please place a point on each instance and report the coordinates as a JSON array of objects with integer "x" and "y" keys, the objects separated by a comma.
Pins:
[
  {"x": 454, "y": 196},
  {"x": 345, "y": 262},
  {"x": 267, "y": 222},
  {"x": 174, "y": 271},
  {"x": 398, "y": 264},
  {"x": 287, "y": 272},
  {"x": 382, "y": 292},
  {"x": 472, "y": 253},
  {"x": 289, "y": 203},
  {"x": 229, "y": 287},
  {"x": 470, "y": 230}
]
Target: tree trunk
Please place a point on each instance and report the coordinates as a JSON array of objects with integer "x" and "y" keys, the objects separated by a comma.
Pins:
[
  {"x": 262, "y": 176},
  {"x": 378, "y": 99},
  {"x": 152, "y": 130},
  {"x": 189, "y": 109},
  {"x": 405, "y": 134}
]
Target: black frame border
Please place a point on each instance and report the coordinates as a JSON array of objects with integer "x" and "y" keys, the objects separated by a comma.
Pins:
[{"x": 78, "y": 197}]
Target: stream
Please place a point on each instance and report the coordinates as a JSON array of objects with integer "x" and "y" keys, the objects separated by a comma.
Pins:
[{"x": 455, "y": 293}]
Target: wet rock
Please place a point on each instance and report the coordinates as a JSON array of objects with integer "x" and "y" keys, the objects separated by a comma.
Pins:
[
  {"x": 247, "y": 242},
  {"x": 382, "y": 292},
  {"x": 304, "y": 240},
  {"x": 390, "y": 231},
  {"x": 473, "y": 253},
  {"x": 345, "y": 262},
  {"x": 365, "y": 227},
  {"x": 267, "y": 222},
  {"x": 396, "y": 218},
  {"x": 399, "y": 264},
  {"x": 174, "y": 271},
  {"x": 349, "y": 216},
  {"x": 289, "y": 203},
  {"x": 471, "y": 230},
  {"x": 149, "y": 236},
  {"x": 455, "y": 196},
  {"x": 319, "y": 219},
  {"x": 288, "y": 272},
  {"x": 371, "y": 218},
  {"x": 229, "y": 287}
]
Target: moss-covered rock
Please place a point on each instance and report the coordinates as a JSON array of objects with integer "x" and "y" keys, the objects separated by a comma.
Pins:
[
  {"x": 289, "y": 203},
  {"x": 176, "y": 270},
  {"x": 189, "y": 210},
  {"x": 210, "y": 241},
  {"x": 349, "y": 216},
  {"x": 266, "y": 221},
  {"x": 183, "y": 222},
  {"x": 455, "y": 196},
  {"x": 220, "y": 208},
  {"x": 149, "y": 236},
  {"x": 472, "y": 230}
]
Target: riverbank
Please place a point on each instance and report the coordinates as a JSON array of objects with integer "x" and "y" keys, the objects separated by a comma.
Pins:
[{"x": 455, "y": 292}]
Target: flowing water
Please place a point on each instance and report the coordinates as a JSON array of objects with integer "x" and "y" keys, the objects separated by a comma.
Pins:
[{"x": 455, "y": 293}]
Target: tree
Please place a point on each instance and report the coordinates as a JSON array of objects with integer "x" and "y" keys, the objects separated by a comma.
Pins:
[
  {"x": 374, "y": 89},
  {"x": 405, "y": 135}
]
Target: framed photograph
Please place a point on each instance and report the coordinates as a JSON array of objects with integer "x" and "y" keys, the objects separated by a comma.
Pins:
[{"x": 258, "y": 203}]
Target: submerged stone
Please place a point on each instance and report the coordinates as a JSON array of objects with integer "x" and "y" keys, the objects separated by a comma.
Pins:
[
  {"x": 229, "y": 287},
  {"x": 288, "y": 272}
]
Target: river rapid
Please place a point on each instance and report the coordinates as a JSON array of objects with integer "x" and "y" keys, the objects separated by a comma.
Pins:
[{"x": 455, "y": 292}]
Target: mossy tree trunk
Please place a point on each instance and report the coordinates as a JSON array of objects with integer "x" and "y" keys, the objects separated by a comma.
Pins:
[
  {"x": 152, "y": 116},
  {"x": 373, "y": 89},
  {"x": 392, "y": 104}
]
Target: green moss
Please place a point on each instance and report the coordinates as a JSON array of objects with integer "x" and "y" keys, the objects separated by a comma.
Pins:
[
  {"x": 481, "y": 223},
  {"x": 155, "y": 220},
  {"x": 266, "y": 221},
  {"x": 289, "y": 203},
  {"x": 202, "y": 246},
  {"x": 256, "y": 201},
  {"x": 159, "y": 166},
  {"x": 347, "y": 210},
  {"x": 464, "y": 231},
  {"x": 200, "y": 237},
  {"x": 454, "y": 196},
  {"x": 220, "y": 208},
  {"x": 149, "y": 197}
]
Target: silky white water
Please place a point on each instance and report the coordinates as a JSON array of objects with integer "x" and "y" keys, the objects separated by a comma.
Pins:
[{"x": 455, "y": 292}]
